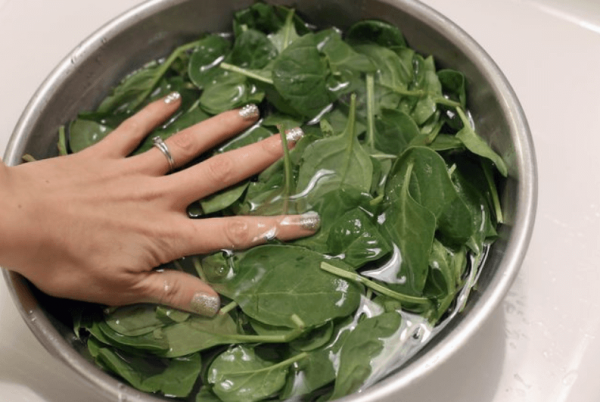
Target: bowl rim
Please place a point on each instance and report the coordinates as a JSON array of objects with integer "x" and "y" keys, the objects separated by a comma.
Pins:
[{"x": 522, "y": 228}]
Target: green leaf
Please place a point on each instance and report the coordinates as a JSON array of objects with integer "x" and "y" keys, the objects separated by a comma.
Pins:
[
  {"x": 432, "y": 187},
  {"x": 393, "y": 71},
  {"x": 364, "y": 344},
  {"x": 252, "y": 50},
  {"x": 173, "y": 377},
  {"x": 85, "y": 133},
  {"x": 331, "y": 162},
  {"x": 286, "y": 34},
  {"x": 203, "y": 63},
  {"x": 376, "y": 32},
  {"x": 271, "y": 282},
  {"x": 394, "y": 131},
  {"x": 300, "y": 77},
  {"x": 232, "y": 90},
  {"x": 240, "y": 375},
  {"x": 340, "y": 55},
  {"x": 135, "y": 320},
  {"x": 356, "y": 239},
  {"x": 411, "y": 227},
  {"x": 478, "y": 146},
  {"x": 223, "y": 199}
]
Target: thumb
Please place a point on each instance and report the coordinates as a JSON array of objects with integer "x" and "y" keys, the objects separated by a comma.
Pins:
[{"x": 181, "y": 291}]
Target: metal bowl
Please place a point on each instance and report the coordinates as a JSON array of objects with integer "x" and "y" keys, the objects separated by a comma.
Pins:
[{"x": 153, "y": 29}]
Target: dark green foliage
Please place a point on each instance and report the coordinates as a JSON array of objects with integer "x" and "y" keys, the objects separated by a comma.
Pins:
[{"x": 405, "y": 187}]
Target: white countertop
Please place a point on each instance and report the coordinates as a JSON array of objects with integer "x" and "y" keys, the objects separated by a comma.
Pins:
[{"x": 543, "y": 343}]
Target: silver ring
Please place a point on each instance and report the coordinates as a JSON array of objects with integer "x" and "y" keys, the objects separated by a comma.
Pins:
[{"x": 160, "y": 144}]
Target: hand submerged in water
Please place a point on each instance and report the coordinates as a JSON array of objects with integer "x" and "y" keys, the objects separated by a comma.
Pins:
[{"x": 93, "y": 225}]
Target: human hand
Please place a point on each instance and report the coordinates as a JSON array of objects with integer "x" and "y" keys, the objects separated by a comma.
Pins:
[{"x": 93, "y": 225}]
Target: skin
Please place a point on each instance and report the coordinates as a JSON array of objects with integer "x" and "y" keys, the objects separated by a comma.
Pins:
[{"x": 93, "y": 225}]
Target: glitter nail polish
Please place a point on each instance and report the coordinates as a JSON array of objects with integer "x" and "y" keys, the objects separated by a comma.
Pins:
[{"x": 249, "y": 112}]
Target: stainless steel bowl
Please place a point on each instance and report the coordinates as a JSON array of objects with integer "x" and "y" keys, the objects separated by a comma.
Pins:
[{"x": 154, "y": 28}]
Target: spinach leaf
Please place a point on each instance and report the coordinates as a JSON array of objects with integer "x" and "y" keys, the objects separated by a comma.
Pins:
[
  {"x": 85, "y": 133},
  {"x": 356, "y": 238},
  {"x": 340, "y": 55},
  {"x": 300, "y": 77},
  {"x": 364, "y": 344},
  {"x": 432, "y": 187},
  {"x": 252, "y": 50},
  {"x": 331, "y": 162},
  {"x": 394, "y": 131},
  {"x": 393, "y": 72},
  {"x": 231, "y": 91},
  {"x": 477, "y": 145},
  {"x": 272, "y": 281},
  {"x": 173, "y": 377},
  {"x": 411, "y": 227},
  {"x": 134, "y": 320},
  {"x": 286, "y": 34},
  {"x": 223, "y": 199},
  {"x": 204, "y": 60},
  {"x": 377, "y": 32},
  {"x": 240, "y": 375}
]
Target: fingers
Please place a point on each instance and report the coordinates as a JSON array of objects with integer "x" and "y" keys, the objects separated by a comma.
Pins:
[
  {"x": 191, "y": 142},
  {"x": 128, "y": 136},
  {"x": 181, "y": 291},
  {"x": 226, "y": 169},
  {"x": 235, "y": 233}
]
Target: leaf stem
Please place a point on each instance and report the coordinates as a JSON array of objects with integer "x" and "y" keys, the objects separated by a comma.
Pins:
[
  {"x": 62, "y": 141},
  {"x": 247, "y": 73},
  {"x": 161, "y": 71},
  {"x": 494, "y": 191},
  {"x": 199, "y": 270},
  {"x": 227, "y": 308},
  {"x": 354, "y": 277},
  {"x": 370, "y": 111},
  {"x": 287, "y": 167}
]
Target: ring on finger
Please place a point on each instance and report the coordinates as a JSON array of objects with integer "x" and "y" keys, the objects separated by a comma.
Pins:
[{"x": 162, "y": 146}]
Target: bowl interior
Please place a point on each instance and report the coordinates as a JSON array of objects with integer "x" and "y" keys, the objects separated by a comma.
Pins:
[{"x": 155, "y": 28}]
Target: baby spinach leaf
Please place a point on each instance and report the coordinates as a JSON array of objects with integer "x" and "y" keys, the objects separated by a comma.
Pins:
[
  {"x": 394, "y": 131},
  {"x": 300, "y": 77},
  {"x": 271, "y": 282},
  {"x": 431, "y": 186},
  {"x": 426, "y": 81},
  {"x": 393, "y": 72},
  {"x": 446, "y": 268},
  {"x": 252, "y": 50},
  {"x": 411, "y": 227},
  {"x": 223, "y": 199},
  {"x": 173, "y": 377},
  {"x": 477, "y": 145},
  {"x": 340, "y": 55},
  {"x": 361, "y": 346},
  {"x": 240, "y": 375},
  {"x": 124, "y": 96},
  {"x": 355, "y": 237},
  {"x": 204, "y": 60},
  {"x": 138, "y": 319},
  {"x": 286, "y": 34},
  {"x": 331, "y": 162},
  {"x": 85, "y": 133},
  {"x": 377, "y": 32},
  {"x": 250, "y": 136},
  {"x": 314, "y": 339},
  {"x": 229, "y": 92}
]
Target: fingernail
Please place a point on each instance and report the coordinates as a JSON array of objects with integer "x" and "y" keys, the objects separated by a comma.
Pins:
[
  {"x": 205, "y": 305},
  {"x": 172, "y": 97},
  {"x": 310, "y": 221},
  {"x": 249, "y": 112},
  {"x": 294, "y": 134}
]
